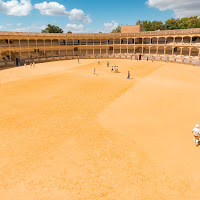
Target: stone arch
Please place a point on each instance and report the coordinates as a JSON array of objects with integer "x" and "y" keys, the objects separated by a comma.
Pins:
[
  {"x": 186, "y": 40},
  {"x": 83, "y": 41},
  {"x": 90, "y": 41},
  {"x": 117, "y": 41},
  {"x": 146, "y": 40},
  {"x": 161, "y": 40},
  {"x": 154, "y": 40},
  {"x": 169, "y": 40},
  {"x": 69, "y": 42},
  {"x": 161, "y": 50},
  {"x": 195, "y": 52},
  {"x": 168, "y": 51},
  {"x": 123, "y": 41},
  {"x": 138, "y": 40},
  {"x": 131, "y": 41},
  {"x": 96, "y": 41},
  {"x": 185, "y": 51},
  {"x": 178, "y": 40}
]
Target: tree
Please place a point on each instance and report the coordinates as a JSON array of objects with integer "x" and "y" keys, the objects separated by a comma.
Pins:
[
  {"x": 52, "y": 29},
  {"x": 69, "y": 32},
  {"x": 117, "y": 30}
]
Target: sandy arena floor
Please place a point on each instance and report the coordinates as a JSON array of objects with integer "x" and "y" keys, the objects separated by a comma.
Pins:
[{"x": 66, "y": 133}]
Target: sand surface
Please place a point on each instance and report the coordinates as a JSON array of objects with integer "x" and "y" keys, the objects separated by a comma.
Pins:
[{"x": 66, "y": 133}]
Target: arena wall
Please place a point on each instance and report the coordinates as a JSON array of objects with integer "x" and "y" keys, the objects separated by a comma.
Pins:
[{"x": 182, "y": 45}]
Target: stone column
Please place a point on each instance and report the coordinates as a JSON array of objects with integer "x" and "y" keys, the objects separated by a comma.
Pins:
[
  {"x": 44, "y": 42},
  {"x": 0, "y": 55},
  {"x": 9, "y": 55},
  {"x": 172, "y": 51},
  {"x": 174, "y": 40},
  {"x": 149, "y": 50},
  {"x": 28, "y": 42},
  {"x": 157, "y": 40},
  {"x": 190, "y": 51},
  {"x": 9, "y": 43},
  {"x": 28, "y": 54},
  {"x": 134, "y": 50},
  {"x": 199, "y": 54},
  {"x": 190, "y": 40},
  {"x": 156, "y": 50},
  {"x": 19, "y": 43},
  {"x": 142, "y": 40},
  {"x": 181, "y": 51},
  {"x": 51, "y": 43},
  {"x": 182, "y": 41},
  {"x": 142, "y": 50},
  {"x": 100, "y": 51},
  {"x": 36, "y": 42},
  {"x": 20, "y": 54},
  {"x": 165, "y": 41},
  {"x": 120, "y": 50},
  {"x": 164, "y": 51},
  {"x": 127, "y": 50},
  {"x": 93, "y": 52}
]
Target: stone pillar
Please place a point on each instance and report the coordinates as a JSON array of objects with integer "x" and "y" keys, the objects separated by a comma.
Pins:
[
  {"x": 29, "y": 54},
  {"x": 156, "y": 50},
  {"x": 190, "y": 51},
  {"x": 100, "y": 41},
  {"x": 127, "y": 40},
  {"x": 36, "y": 42},
  {"x": 51, "y": 43},
  {"x": 120, "y": 50},
  {"x": 164, "y": 51},
  {"x": 165, "y": 41},
  {"x": 59, "y": 52},
  {"x": 181, "y": 51},
  {"x": 73, "y": 52},
  {"x": 19, "y": 43},
  {"x": 142, "y": 40},
  {"x": 9, "y": 43},
  {"x": 199, "y": 54},
  {"x": 157, "y": 40},
  {"x": 93, "y": 50},
  {"x": 100, "y": 51},
  {"x": 127, "y": 50},
  {"x": 44, "y": 42},
  {"x": 28, "y": 42},
  {"x": 10, "y": 55},
  {"x": 172, "y": 51},
  {"x": 174, "y": 40},
  {"x": 113, "y": 50},
  {"x": 142, "y": 50},
  {"x": 182, "y": 41},
  {"x": 0, "y": 55},
  {"x": 134, "y": 50},
  {"x": 149, "y": 50},
  {"x": 190, "y": 40},
  {"x": 20, "y": 54}
]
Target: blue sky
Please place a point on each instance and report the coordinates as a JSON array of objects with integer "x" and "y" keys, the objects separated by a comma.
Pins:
[{"x": 88, "y": 15}]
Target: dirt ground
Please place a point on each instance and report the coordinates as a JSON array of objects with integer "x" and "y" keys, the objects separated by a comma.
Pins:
[{"x": 66, "y": 133}]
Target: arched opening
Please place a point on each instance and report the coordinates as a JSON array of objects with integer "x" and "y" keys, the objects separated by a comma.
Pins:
[
  {"x": 138, "y": 50},
  {"x": 146, "y": 40},
  {"x": 161, "y": 40},
  {"x": 177, "y": 51},
  {"x": 96, "y": 41},
  {"x": 153, "y": 50},
  {"x": 55, "y": 43},
  {"x": 196, "y": 40},
  {"x": 24, "y": 43},
  {"x": 110, "y": 41},
  {"x": 169, "y": 40},
  {"x": 63, "y": 42},
  {"x": 76, "y": 42},
  {"x": 104, "y": 42},
  {"x": 15, "y": 43},
  {"x": 178, "y": 40},
  {"x": 4, "y": 43},
  {"x": 161, "y": 51},
  {"x": 47, "y": 42},
  {"x": 186, "y": 40},
  {"x": 131, "y": 41},
  {"x": 195, "y": 52},
  {"x": 138, "y": 40},
  {"x": 185, "y": 51},
  {"x": 40, "y": 43},
  {"x": 123, "y": 41},
  {"x": 69, "y": 42},
  {"x": 154, "y": 40},
  {"x": 168, "y": 51},
  {"x": 83, "y": 41},
  {"x": 90, "y": 42},
  {"x": 117, "y": 41}
]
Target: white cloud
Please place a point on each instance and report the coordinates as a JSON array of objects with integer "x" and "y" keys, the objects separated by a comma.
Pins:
[
  {"x": 15, "y": 7},
  {"x": 51, "y": 8},
  {"x": 74, "y": 28},
  {"x": 76, "y": 15},
  {"x": 110, "y": 26},
  {"x": 181, "y": 8},
  {"x": 19, "y": 24},
  {"x": 2, "y": 28},
  {"x": 56, "y": 9},
  {"x": 32, "y": 28}
]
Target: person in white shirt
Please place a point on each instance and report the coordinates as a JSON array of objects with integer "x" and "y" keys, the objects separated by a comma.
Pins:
[
  {"x": 99, "y": 61},
  {"x": 196, "y": 132}
]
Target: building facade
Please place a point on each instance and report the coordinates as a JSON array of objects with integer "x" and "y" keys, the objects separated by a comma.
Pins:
[{"x": 17, "y": 47}]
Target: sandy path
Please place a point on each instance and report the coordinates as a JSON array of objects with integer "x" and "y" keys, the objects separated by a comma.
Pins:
[{"x": 69, "y": 134}]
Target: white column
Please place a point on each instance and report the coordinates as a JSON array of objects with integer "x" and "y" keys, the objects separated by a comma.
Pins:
[
  {"x": 181, "y": 51},
  {"x": 190, "y": 51},
  {"x": 164, "y": 50}
]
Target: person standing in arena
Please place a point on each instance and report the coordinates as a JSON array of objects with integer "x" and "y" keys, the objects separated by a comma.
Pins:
[
  {"x": 94, "y": 71},
  {"x": 196, "y": 132}
]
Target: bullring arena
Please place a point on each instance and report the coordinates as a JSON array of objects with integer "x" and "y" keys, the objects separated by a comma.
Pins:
[{"x": 67, "y": 133}]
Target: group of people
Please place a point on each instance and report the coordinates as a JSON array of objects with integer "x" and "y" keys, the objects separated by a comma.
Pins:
[
  {"x": 115, "y": 69},
  {"x": 32, "y": 64},
  {"x": 196, "y": 134}
]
